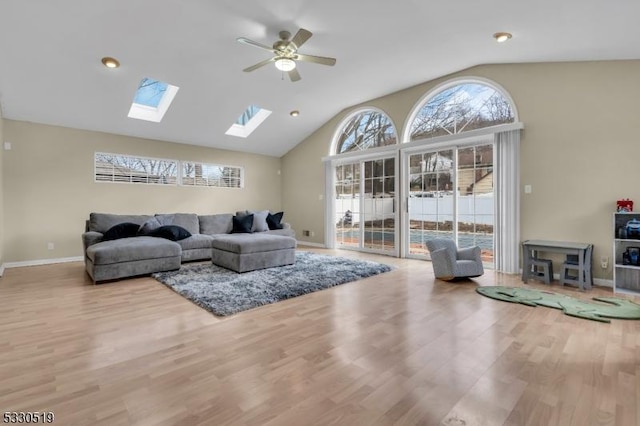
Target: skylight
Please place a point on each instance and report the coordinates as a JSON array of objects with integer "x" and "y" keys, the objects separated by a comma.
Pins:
[
  {"x": 152, "y": 100},
  {"x": 248, "y": 121}
]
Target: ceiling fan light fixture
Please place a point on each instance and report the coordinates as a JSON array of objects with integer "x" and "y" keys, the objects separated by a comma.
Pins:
[
  {"x": 110, "y": 62},
  {"x": 285, "y": 64},
  {"x": 502, "y": 37}
]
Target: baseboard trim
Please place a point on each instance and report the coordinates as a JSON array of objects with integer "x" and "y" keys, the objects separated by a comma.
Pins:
[
  {"x": 603, "y": 283},
  {"x": 596, "y": 281},
  {"x": 1, "y": 269},
  {"x": 307, "y": 243},
  {"x": 40, "y": 262}
]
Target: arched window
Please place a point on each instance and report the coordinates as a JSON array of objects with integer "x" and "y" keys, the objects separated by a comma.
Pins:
[
  {"x": 363, "y": 130},
  {"x": 460, "y": 108}
]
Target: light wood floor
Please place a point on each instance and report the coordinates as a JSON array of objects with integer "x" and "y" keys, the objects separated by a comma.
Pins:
[{"x": 398, "y": 348}]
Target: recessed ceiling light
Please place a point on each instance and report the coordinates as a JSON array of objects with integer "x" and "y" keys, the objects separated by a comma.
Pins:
[
  {"x": 294, "y": 113},
  {"x": 502, "y": 37},
  {"x": 110, "y": 62}
]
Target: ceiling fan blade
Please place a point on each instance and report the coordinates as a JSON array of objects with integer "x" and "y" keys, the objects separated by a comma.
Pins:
[
  {"x": 316, "y": 59},
  {"x": 294, "y": 75},
  {"x": 258, "y": 65},
  {"x": 244, "y": 40},
  {"x": 301, "y": 37}
]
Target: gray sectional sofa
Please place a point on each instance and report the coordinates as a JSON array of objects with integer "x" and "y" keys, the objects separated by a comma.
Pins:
[{"x": 141, "y": 255}]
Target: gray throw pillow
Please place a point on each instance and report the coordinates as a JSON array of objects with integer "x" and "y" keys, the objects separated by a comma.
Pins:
[
  {"x": 260, "y": 221},
  {"x": 165, "y": 219},
  {"x": 149, "y": 226}
]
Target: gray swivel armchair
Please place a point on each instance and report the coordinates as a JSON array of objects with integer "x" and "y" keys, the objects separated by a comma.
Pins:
[{"x": 449, "y": 262}]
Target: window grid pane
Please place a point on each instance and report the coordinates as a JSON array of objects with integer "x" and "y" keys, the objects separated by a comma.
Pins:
[
  {"x": 461, "y": 108},
  {"x": 211, "y": 175},
  {"x": 367, "y": 129},
  {"x": 130, "y": 169}
]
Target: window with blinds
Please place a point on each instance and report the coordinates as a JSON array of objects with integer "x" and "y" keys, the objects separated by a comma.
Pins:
[
  {"x": 201, "y": 174},
  {"x": 130, "y": 169}
]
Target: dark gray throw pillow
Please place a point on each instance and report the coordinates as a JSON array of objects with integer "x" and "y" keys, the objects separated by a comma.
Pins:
[
  {"x": 121, "y": 230},
  {"x": 150, "y": 225},
  {"x": 242, "y": 224},
  {"x": 275, "y": 220},
  {"x": 170, "y": 232}
]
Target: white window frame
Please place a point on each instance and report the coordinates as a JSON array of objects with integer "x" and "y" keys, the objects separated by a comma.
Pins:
[
  {"x": 406, "y": 132},
  {"x": 155, "y": 115},
  {"x": 340, "y": 129},
  {"x": 506, "y": 167},
  {"x": 182, "y": 175},
  {"x": 244, "y": 130},
  {"x": 137, "y": 157}
]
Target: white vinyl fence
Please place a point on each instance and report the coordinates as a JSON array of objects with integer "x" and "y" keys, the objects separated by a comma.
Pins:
[{"x": 471, "y": 209}]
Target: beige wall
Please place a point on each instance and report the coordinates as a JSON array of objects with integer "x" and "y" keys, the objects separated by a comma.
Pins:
[
  {"x": 1, "y": 192},
  {"x": 50, "y": 188},
  {"x": 578, "y": 149}
]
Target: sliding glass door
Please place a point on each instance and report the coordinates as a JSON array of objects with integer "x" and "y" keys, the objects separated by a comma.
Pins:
[
  {"x": 450, "y": 195},
  {"x": 431, "y": 198},
  {"x": 365, "y": 205},
  {"x": 475, "y": 218},
  {"x": 347, "y": 205}
]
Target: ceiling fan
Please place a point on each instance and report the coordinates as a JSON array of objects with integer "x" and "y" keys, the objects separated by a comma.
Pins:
[{"x": 286, "y": 53}]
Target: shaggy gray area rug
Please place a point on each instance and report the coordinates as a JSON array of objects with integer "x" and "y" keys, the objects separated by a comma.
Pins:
[{"x": 226, "y": 292}]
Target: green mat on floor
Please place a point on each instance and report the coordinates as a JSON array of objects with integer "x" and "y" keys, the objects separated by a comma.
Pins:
[{"x": 613, "y": 307}]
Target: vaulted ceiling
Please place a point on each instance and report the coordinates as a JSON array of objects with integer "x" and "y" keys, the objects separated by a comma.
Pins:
[{"x": 50, "y": 51}]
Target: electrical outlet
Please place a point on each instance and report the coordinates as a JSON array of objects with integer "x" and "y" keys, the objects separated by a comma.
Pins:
[
  {"x": 312, "y": 234},
  {"x": 604, "y": 262},
  {"x": 51, "y": 246},
  {"x": 7, "y": 146}
]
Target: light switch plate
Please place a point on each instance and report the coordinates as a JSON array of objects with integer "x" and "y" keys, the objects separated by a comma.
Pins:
[
  {"x": 7, "y": 146},
  {"x": 527, "y": 189}
]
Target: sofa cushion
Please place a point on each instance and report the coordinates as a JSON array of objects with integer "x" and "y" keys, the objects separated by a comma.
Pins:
[
  {"x": 170, "y": 232},
  {"x": 253, "y": 243},
  {"x": 101, "y": 222},
  {"x": 216, "y": 224},
  {"x": 196, "y": 242},
  {"x": 242, "y": 224},
  {"x": 121, "y": 230},
  {"x": 287, "y": 232},
  {"x": 260, "y": 221},
  {"x": 188, "y": 221},
  {"x": 149, "y": 226},
  {"x": 131, "y": 249},
  {"x": 274, "y": 221}
]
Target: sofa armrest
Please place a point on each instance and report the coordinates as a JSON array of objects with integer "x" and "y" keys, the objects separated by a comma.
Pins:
[
  {"x": 90, "y": 238},
  {"x": 443, "y": 263},
  {"x": 470, "y": 253}
]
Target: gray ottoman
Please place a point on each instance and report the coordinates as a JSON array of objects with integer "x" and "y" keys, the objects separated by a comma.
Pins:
[
  {"x": 248, "y": 252},
  {"x": 127, "y": 257}
]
